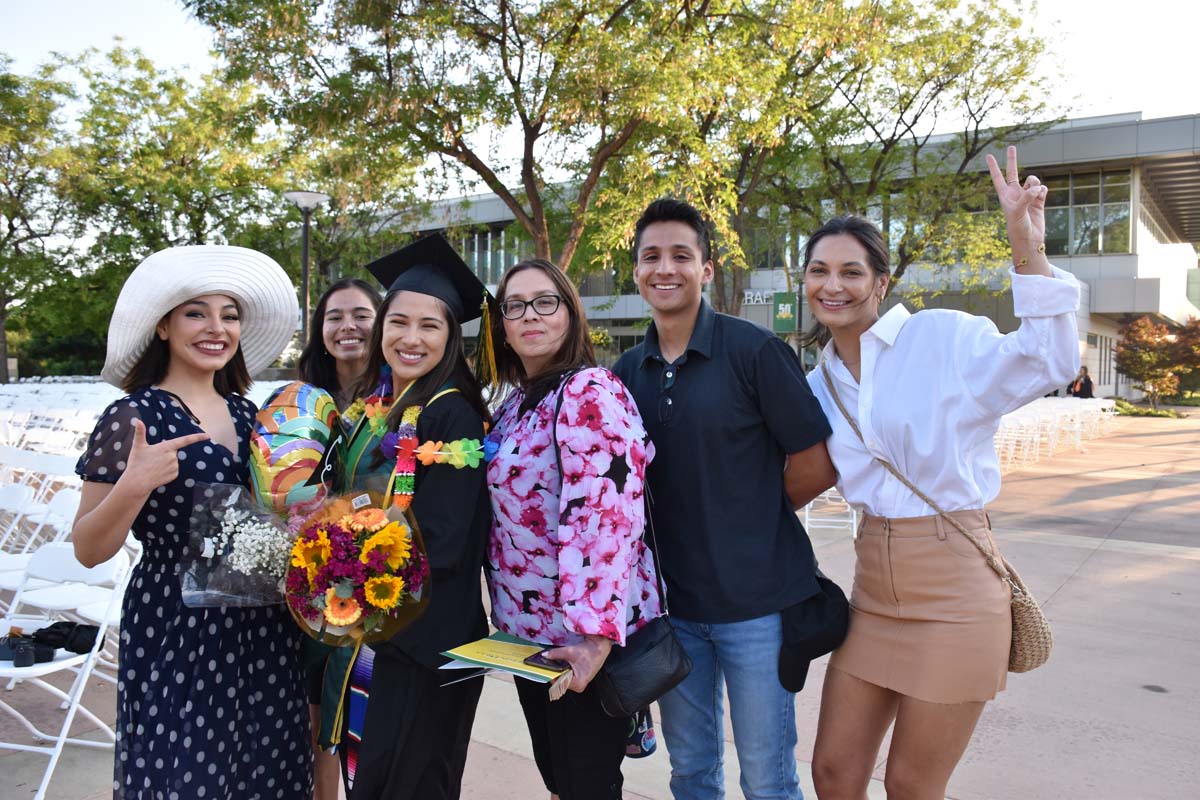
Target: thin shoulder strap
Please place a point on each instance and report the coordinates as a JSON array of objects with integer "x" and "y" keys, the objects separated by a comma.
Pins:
[
  {"x": 992, "y": 561},
  {"x": 648, "y": 501}
]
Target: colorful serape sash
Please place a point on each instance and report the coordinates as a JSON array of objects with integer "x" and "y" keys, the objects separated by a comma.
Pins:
[{"x": 359, "y": 693}]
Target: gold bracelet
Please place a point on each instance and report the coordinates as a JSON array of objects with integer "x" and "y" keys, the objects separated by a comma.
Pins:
[{"x": 1041, "y": 248}]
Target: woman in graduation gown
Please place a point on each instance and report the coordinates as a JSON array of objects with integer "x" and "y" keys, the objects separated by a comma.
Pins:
[{"x": 413, "y": 738}]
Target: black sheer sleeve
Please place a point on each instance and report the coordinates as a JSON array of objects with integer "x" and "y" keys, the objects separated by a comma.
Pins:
[{"x": 103, "y": 461}]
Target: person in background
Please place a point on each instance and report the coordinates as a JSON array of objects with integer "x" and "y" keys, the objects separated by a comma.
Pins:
[
  {"x": 567, "y": 567},
  {"x": 336, "y": 352},
  {"x": 1082, "y": 385},
  {"x": 740, "y": 444},
  {"x": 333, "y": 359},
  {"x": 930, "y": 622}
]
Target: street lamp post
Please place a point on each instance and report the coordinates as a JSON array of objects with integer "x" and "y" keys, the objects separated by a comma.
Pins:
[{"x": 306, "y": 202}]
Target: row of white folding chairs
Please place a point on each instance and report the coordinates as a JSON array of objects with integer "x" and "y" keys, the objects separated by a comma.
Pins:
[
  {"x": 1049, "y": 425},
  {"x": 47, "y": 430},
  {"x": 42, "y": 471},
  {"x": 56, "y": 586}
]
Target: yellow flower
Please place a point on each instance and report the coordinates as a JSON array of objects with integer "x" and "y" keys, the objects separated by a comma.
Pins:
[
  {"x": 341, "y": 610},
  {"x": 311, "y": 554},
  {"x": 355, "y": 410},
  {"x": 384, "y": 592},
  {"x": 392, "y": 541}
]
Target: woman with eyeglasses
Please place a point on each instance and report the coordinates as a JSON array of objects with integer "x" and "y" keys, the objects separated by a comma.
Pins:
[{"x": 566, "y": 564}]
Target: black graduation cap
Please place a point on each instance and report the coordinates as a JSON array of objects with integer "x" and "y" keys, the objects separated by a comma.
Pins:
[{"x": 431, "y": 266}]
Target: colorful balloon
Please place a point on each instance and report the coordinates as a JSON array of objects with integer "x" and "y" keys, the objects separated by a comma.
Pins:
[{"x": 295, "y": 447}]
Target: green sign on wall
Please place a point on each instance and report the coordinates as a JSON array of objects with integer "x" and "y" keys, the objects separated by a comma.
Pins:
[{"x": 786, "y": 316}]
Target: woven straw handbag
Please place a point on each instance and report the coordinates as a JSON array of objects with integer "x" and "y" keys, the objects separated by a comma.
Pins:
[{"x": 1031, "y": 636}]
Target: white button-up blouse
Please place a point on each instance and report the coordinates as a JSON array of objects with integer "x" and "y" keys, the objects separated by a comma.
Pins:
[{"x": 934, "y": 387}]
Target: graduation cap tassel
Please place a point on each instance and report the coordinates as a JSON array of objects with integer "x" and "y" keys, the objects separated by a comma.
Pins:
[{"x": 485, "y": 350}]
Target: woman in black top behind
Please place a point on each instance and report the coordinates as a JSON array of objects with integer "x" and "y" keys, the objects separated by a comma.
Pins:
[
  {"x": 333, "y": 359},
  {"x": 1082, "y": 385}
]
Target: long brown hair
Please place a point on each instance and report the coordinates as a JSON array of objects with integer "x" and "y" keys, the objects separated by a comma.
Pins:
[
  {"x": 452, "y": 370},
  {"x": 575, "y": 352},
  {"x": 151, "y": 367},
  {"x": 864, "y": 232},
  {"x": 316, "y": 365}
]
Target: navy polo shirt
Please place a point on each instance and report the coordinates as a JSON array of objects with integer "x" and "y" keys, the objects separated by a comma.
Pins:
[{"x": 723, "y": 418}]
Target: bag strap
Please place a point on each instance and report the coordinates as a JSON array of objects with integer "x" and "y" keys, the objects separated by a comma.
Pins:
[
  {"x": 993, "y": 562},
  {"x": 646, "y": 498}
]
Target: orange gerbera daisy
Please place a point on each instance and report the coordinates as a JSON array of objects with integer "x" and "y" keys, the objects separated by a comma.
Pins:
[
  {"x": 369, "y": 519},
  {"x": 341, "y": 610}
]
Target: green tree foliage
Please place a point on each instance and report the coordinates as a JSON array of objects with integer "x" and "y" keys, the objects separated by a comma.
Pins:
[
  {"x": 904, "y": 136},
  {"x": 156, "y": 161},
  {"x": 32, "y": 162},
  {"x": 768, "y": 114},
  {"x": 532, "y": 100},
  {"x": 1187, "y": 355},
  {"x": 159, "y": 160},
  {"x": 1147, "y": 355}
]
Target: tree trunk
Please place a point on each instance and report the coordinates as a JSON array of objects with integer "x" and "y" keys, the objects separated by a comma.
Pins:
[{"x": 3, "y": 338}]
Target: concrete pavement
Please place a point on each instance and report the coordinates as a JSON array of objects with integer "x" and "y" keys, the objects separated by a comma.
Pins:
[{"x": 1109, "y": 539}]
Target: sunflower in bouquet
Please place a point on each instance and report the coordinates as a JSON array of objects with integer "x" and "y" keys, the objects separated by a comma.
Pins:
[{"x": 357, "y": 573}]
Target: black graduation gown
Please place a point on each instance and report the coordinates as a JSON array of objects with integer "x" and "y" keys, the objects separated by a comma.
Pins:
[{"x": 416, "y": 732}]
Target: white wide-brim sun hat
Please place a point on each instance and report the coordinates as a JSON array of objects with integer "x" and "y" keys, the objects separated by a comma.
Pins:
[{"x": 269, "y": 311}]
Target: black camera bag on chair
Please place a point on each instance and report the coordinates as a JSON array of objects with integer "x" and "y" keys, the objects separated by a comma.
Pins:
[{"x": 652, "y": 662}]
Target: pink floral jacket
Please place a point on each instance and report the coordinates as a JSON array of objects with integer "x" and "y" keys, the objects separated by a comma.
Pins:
[{"x": 564, "y": 561}]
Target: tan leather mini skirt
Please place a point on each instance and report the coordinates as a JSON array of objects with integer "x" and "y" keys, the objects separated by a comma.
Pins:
[{"x": 929, "y": 618}]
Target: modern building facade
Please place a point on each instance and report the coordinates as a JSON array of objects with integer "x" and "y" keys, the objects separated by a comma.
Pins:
[{"x": 1123, "y": 215}]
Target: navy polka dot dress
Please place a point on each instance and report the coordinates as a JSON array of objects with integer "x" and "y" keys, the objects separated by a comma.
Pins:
[{"x": 210, "y": 701}]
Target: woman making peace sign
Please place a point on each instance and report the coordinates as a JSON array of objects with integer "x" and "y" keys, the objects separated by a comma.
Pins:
[
  {"x": 209, "y": 700},
  {"x": 930, "y": 627}
]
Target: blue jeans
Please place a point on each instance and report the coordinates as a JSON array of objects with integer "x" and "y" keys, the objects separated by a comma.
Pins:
[{"x": 745, "y": 655}]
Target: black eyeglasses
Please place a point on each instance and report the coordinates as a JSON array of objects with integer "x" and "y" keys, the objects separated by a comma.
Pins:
[
  {"x": 665, "y": 404},
  {"x": 544, "y": 305}
]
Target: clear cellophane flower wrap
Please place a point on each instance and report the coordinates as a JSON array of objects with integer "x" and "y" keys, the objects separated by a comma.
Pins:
[
  {"x": 237, "y": 552},
  {"x": 357, "y": 573}
]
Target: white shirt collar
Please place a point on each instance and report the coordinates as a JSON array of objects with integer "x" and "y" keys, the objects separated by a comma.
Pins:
[{"x": 885, "y": 329}]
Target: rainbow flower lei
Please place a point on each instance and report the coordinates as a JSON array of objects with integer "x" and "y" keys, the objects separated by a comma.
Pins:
[{"x": 459, "y": 453}]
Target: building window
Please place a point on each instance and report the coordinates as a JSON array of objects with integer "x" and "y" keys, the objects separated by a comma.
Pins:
[
  {"x": 1088, "y": 213},
  {"x": 1106, "y": 359}
]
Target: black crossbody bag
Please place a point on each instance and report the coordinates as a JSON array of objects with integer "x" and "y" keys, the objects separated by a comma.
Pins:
[{"x": 652, "y": 662}]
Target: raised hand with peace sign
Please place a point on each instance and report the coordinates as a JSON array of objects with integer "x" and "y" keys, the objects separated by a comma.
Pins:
[{"x": 1024, "y": 207}]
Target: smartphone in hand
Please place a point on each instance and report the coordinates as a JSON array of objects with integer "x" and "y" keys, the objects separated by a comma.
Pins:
[{"x": 539, "y": 659}]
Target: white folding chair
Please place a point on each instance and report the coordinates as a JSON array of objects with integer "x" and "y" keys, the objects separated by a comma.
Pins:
[
  {"x": 71, "y": 584},
  {"x": 830, "y": 511},
  {"x": 15, "y": 501},
  {"x": 58, "y": 512},
  {"x": 115, "y": 571}
]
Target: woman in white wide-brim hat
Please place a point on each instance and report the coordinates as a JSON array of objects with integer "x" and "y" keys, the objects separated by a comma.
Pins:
[{"x": 210, "y": 701}]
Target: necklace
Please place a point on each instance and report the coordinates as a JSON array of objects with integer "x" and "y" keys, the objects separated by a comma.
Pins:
[{"x": 183, "y": 407}]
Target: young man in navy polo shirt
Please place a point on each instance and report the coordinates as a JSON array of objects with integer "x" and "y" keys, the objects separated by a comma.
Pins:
[{"x": 740, "y": 443}]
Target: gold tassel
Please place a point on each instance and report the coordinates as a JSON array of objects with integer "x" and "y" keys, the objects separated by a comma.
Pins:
[
  {"x": 339, "y": 717},
  {"x": 485, "y": 349}
]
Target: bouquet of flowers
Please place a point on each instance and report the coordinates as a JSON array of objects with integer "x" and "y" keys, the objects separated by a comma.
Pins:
[
  {"x": 237, "y": 551},
  {"x": 357, "y": 573}
]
